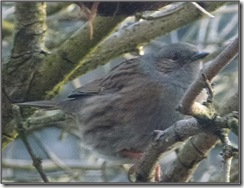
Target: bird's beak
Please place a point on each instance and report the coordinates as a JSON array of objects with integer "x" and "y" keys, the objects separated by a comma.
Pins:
[{"x": 199, "y": 55}]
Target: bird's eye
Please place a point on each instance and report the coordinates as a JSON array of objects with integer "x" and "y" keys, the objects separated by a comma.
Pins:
[{"x": 174, "y": 56}]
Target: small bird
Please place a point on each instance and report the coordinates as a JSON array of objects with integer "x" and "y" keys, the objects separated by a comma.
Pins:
[{"x": 117, "y": 114}]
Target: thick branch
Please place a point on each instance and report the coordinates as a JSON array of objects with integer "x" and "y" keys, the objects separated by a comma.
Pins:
[
  {"x": 192, "y": 153},
  {"x": 202, "y": 143},
  {"x": 128, "y": 38},
  {"x": 26, "y": 53},
  {"x": 29, "y": 28},
  {"x": 180, "y": 131},
  {"x": 66, "y": 58}
]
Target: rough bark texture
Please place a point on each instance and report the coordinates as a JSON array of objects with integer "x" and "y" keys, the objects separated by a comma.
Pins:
[{"x": 27, "y": 53}]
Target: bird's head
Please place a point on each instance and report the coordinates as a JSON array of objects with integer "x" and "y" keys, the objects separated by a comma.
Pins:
[{"x": 178, "y": 57}]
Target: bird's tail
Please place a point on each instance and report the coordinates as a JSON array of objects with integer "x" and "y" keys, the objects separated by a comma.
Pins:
[{"x": 52, "y": 105}]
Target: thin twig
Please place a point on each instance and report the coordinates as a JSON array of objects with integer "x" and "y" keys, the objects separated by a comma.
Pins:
[
  {"x": 56, "y": 160},
  {"x": 187, "y": 105},
  {"x": 226, "y": 168},
  {"x": 202, "y": 10},
  {"x": 21, "y": 131},
  {"x": 227, "y": 155},
  {"x": 90, "y": 15},
  {"x": 48, "y": 165},
  {"x": 228, "y": 149}
]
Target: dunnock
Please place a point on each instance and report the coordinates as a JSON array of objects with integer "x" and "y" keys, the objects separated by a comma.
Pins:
[{"x": 118, "y": 113}]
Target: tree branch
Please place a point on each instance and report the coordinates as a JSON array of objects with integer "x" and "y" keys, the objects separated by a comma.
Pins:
[
  {"x": 170, "y": 138},
  {"x": 23, "y": 136},
  {"x": 66, "y": 58},
  {"x": 128, "y": 38},
  {"x": 193, "y": 152},
  {"x": 49, "y": 165},
  {"x": 203, "y": 143},
  {"x": 30, "y": 28},
  {"x": 181, "y": 130},
  {"x": 187, "y": 105}
]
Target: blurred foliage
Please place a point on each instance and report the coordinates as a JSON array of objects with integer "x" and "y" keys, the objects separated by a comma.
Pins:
[{"x": 63, "y": 159}]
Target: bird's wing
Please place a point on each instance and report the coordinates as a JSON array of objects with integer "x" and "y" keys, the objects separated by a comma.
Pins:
[
  {"x": 86, "y": 90},
  {"x": 117, "y": 78}
]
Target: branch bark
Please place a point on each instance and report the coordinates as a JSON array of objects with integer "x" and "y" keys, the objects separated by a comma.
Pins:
[
  {"x": 188, "y": 159},
  {"x": 193, "y": 152},
  {"x": 128, "y": 38},
  {"x": 181, "y": 130},
  {"x": 65, "y": 59},
  {"x": 198, "y": 146},
  {"x": 30, "y": 28}
]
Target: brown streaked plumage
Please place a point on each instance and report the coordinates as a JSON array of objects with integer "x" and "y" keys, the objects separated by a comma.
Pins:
[{"x": 120, "y": 111}]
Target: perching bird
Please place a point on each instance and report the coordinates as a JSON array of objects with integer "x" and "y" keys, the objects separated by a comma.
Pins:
[{"x": 117, "y": 114}]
